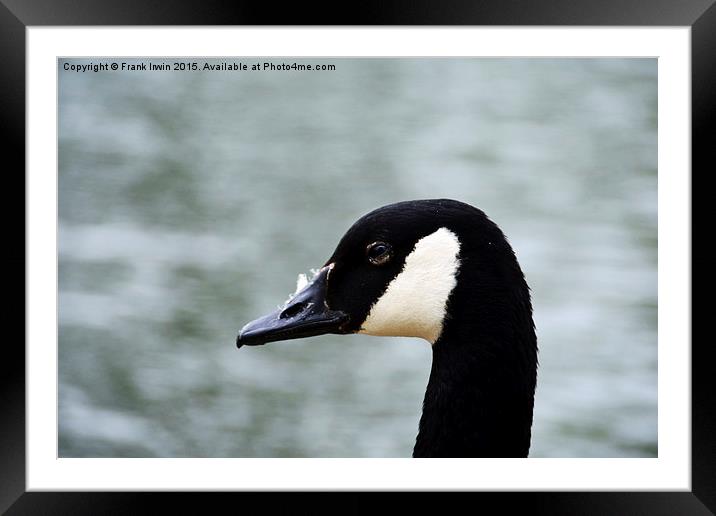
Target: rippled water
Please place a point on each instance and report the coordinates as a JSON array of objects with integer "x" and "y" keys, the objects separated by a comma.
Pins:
[{"x": 189, "y": 202}]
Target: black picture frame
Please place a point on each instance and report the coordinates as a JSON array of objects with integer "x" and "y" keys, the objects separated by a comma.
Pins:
[{"x": 17, "y": 15}]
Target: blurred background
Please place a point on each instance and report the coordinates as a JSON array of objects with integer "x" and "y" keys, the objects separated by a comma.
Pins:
[{"x": 190, "y": 201}]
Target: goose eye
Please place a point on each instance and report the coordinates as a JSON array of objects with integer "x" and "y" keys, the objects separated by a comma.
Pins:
[{"x": 379, "y": 253}]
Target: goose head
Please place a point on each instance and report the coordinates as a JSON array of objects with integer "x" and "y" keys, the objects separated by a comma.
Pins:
[{"x": 441, "y": 271}]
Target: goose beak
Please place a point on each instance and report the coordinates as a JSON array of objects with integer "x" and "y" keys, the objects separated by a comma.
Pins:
[{"x": 306, "y": 314}]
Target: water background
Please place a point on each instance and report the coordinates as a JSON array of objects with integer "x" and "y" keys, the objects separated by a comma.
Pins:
[{"x": 189, "y": 201}]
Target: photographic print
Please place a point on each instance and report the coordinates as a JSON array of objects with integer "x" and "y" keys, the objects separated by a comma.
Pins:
[{"x": 193, "y": 191}]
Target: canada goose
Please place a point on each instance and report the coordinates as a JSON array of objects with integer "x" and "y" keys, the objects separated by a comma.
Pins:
[{"x": 440, "y": 270}]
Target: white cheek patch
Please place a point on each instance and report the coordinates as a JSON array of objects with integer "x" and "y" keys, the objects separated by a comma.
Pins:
[{"x": 414, "y": 304}]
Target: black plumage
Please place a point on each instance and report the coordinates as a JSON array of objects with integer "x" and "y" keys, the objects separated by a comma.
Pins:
[{"x": 480, "y": 395}]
